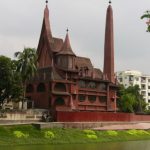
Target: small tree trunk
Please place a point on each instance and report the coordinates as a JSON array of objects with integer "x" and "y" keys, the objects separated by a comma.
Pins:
[{"x": 24, "y": 93}]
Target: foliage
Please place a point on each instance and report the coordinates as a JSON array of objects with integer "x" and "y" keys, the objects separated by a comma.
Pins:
[
  {"x": 14, "y": 74},
  {"x": 26, "y": 66},
  {"x": 49, "y": 134},
  {"x": 20, "y": 134},
  {"x": 130, "y": 99},
  {"x": 147, "y": 16},
  {"x": 90, "y": 134},
  {"x": 89, "y": 131},
  {"x": 26, "y": 63},
  {"x": 112, "y": 133},
  {"x": 137, "y": 132},
  {"x": 9, "y": 136},
  {"x": 10, "y": 83}
]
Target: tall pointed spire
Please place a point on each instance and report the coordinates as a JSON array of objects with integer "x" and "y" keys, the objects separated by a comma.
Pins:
[
  {"x": 46, "y": 34},
  {"x": 109, "y": 46},
  {"x": 46, "y": 21},
  {"x": 66, "y": 48}
]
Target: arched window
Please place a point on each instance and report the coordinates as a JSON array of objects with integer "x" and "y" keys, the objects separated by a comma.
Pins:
[
  {"x": 29, "y": 88},
  {"x": 60, "y": 87},
  {"x": 92, "y": 98},
  {"x": 82, "y": 98},
  {"x": 82, "y": 84},
  {"x": 59, "y": 102},
  {"x": 102, "y": 99},
  {"x": 41, "y": 87},
  {"x": 102, "y": 87},
  {"x": 92, "y": 85}
]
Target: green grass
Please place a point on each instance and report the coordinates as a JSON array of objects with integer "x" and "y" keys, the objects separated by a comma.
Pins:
[{"x": 29, "y": 135}]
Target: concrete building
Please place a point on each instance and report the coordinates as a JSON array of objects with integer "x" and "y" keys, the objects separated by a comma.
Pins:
[{"x": 133, "y": 77}]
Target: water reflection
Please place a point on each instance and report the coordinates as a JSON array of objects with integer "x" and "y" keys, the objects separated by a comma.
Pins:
[{"x": 134, "y": 145}]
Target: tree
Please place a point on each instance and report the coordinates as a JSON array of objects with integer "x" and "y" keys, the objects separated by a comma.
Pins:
[
  {"x": 130, "y": 99},
  {"x": 26, "y": 65},
  {"x": 147, "y": 16},
  {"x": 10, "y": 83}
]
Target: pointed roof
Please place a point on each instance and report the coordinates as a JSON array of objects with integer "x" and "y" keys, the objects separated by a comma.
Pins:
[
  {"x": 66, "y": 48},
  {"x": 46, "y": 23},
  {"x": 46, "y": 33},
  {"x": 109, "y": 46},
  {"x": 53, "y": 44}
]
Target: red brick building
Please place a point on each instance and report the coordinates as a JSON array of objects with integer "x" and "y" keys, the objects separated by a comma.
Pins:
[{"x": 67, "y": 82}]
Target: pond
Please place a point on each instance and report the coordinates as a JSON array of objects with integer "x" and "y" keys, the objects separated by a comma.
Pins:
[{"x": 132, "y": 145}]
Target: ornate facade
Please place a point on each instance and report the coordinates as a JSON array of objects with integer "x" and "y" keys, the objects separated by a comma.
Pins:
[{"x": 67, "y": 82}]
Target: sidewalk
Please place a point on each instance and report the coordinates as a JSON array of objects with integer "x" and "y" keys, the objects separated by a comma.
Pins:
[{"x": 137, "y": 126}]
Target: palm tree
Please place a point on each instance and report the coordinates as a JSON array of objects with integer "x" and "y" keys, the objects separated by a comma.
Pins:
[
  {"x": 147, "y": 16},
  {"x": 26, "y": 65}
]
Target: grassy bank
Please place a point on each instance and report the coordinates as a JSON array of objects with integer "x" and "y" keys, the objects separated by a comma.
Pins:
[{"x": 26, "y": 134}]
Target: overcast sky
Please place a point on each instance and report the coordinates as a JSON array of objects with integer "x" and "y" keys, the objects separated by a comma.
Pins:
[{"x": 21, "y": 21}]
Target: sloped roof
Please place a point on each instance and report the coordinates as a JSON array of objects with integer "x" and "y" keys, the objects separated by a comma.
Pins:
[
  {"x": 83, "y": 62},
  {"x": 46, "y": 74},
  {"x": 98, "y": 73},
  {"x": 56, "y": 44}
]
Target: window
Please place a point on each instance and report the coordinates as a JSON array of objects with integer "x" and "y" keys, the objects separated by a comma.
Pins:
[
  {"x": 148, "y": 94},
  {"x": 137, "y": 79},
  {"x": 41, "y": 87},
  {"x": 92, "y": 85},
  {"x": 70, "y": 62},
  {"x": 148, "y": 87},
  {"x": 143, "y": 79},
  {"x": 149, "y": 101},
  {"x": 82, "y": 84},
  {"x": 29, "y": 88},
  {"x": 148, "y": 80},
  {"x": 102, "y": 99},
  {"x": 120, "y": 79},
  {"x": 92, "y": 98},
  {"x": 102, "y": 87},
  {"x": 60, "y": 87},
  {"x": 143, "y": 87},
  {"x": 82, "y": 98},
  {"x": 62, "y": 61},
  {"x": 130, "y": 78},
  {"x": 59, "y": 101}
]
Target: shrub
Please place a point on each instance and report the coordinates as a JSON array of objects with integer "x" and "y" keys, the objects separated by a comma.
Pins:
[
  {"x": 137, "y": 132},
  {"x": 132, "y": 132},
  {"x": 20, "y": 134},
  {"x": 49, "y": 135},
  {"x": 112, "y": 133},
  {"x": 89, "y": 132},
  {"x": 92, "y": 136}
]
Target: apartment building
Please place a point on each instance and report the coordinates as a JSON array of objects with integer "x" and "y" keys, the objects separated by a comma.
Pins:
[{"x": 133, "y": 77}]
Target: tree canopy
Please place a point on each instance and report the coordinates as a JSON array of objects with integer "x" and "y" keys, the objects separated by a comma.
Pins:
[
  {"x": 147, "y": 16},
  {"x": 130, "y": 99},
  {"x": 10, "y": 82},
  {"x": 26, "y": 63}
]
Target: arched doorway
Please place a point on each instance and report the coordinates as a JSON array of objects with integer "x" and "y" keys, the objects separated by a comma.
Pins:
[
  {"x": 59, "y": 101},
  {"x": 29, "y": 88},
  {"x": 41, "y": 87}
]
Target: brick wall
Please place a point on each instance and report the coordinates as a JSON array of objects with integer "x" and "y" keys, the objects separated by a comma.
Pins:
[{"x": 99, "y": 116}]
